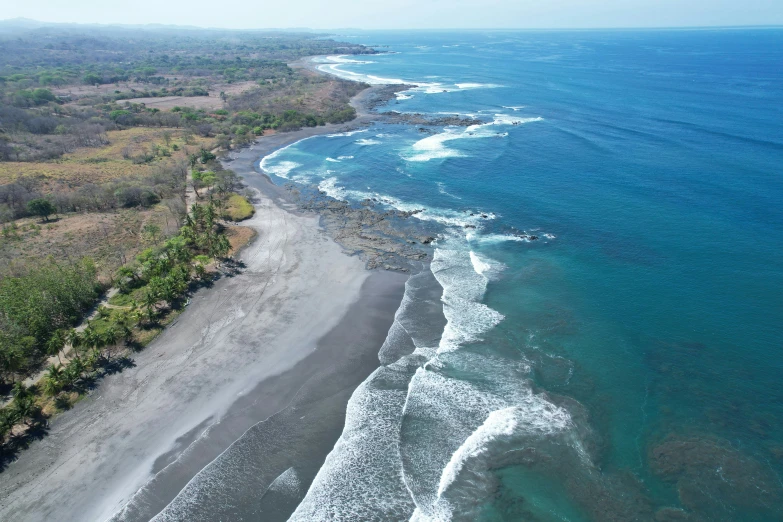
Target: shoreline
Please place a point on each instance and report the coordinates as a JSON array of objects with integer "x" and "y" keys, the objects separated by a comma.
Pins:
[{"x": 216, "y": 372}]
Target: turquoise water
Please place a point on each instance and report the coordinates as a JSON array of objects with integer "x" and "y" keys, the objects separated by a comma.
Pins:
[{"x": 627, "y": 364}]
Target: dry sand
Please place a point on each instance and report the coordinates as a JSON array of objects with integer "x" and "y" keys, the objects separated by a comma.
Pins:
[{"x": 239, "y": 354}]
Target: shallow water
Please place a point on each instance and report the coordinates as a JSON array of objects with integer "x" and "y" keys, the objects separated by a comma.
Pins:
[{"x": 624, "y": 365}]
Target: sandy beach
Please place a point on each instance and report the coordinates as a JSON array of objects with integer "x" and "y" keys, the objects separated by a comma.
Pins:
[{"x": 295, "y": 331}]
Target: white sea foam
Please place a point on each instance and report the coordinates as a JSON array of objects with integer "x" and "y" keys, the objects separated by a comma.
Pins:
[
  {"x": 453, "y": 409},
  {"x": 440, "y": 87},
  {"x": 505, "y": 119},
  {"x": 514, "y": 108},
  {"x": 364, "y": 141},
  {"x": 343, "y": 58},
  {"x": 434, "y": 147},
  {"x": 282, "y": 169},
  {"x": 287, "y": 482},
  {"x": 346, "y": 133},
  {"x": 473, "y": 237},
  {"x": 463, "y": 288},
  {"x": 403, "y": 95},
  {"x": 360, "y": 477},
  {"x": 442, "y": 190},
  {"x": 344, "y": 157},
  {"x": 536, "y": 416},
  {"x": 329, "y": 186},
  {"x": 484, "y": 265},
  {"x": 333, "y": 160},
  {"x": 443, "y": 216},
  {"x": 477, "y": 86},
  {"x": 495, "y": 238},
  {"x": 334, "y": 64}
]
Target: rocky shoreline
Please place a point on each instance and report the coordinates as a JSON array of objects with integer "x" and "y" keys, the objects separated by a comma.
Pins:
[
  {"x": 425, "y": 119},
  {"x": 381, "y": 238}
]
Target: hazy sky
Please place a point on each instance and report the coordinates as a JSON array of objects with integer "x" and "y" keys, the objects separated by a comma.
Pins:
[{"x": 403, "y": 14}]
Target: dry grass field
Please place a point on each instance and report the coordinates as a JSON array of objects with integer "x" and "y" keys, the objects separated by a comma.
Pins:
[
  {"x": 109, "y": 238},
  {"x": 95, "y": 165},
  {"x": 213, "y": 101}
]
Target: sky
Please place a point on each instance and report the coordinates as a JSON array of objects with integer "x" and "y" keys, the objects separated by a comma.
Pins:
[{"x": 406, "y": 14}]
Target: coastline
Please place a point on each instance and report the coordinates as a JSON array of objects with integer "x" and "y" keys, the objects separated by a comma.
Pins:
[{"x": 251, "y": 348}]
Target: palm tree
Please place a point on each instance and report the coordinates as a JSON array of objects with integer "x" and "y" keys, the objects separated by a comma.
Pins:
[
  {"x": 74, "y": 338},
  {"x": 149, "y": 301},
  {"x": 73, "y": 372},
  {"x": 90, "y": 337},
  {"x": 110, "y": 337},
  {"x": 122, "y": 324},
  {"x": 20, "y": 391},
  {"x": 53, "y": 381},
  {"x": 94, "y": 359},
  {"x": 221, "y": 247},
  {"x": 55, "y": 344},
  {"x": 25, "y": 410}
]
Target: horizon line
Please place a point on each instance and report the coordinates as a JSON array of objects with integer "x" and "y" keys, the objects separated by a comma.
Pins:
[{"x": 153, "y": 25}]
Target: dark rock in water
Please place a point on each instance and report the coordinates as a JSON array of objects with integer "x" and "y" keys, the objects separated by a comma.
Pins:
[
  {"x": 532, "y": 238},
  {"x": 380, "y": 237},
  {"x": 383, "y": 95},
  {"x": 426, "y": 119},
  {"x": 484, "y": 216},
  {"x": 470, "y": 226}
]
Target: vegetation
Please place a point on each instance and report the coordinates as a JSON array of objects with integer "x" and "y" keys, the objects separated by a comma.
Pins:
[
  {"x": 61, "y": 90},
  {"x": 238, "y": 208},
  {"x": 39, "y": 309},
  {"x": 106, "y": 129},
  {"x": 34, "y": 305},
  {"x": 41, "y": 207}
]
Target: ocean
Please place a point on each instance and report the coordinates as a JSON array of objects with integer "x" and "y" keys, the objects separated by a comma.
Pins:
[{"x": 608, "y": 266}]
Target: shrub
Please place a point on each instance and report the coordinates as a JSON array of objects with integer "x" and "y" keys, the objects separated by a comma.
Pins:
[{"x": 238, "y": 208}]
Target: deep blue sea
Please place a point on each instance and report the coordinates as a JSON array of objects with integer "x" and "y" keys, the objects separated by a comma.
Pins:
[{"x": 628, "y": 363}]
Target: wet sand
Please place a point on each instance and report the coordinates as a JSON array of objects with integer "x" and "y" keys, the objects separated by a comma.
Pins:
[{"x": 286, "y": 341}]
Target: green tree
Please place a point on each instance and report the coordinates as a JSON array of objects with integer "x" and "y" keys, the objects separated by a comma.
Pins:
[
  {"x": 41, "y": 207},
  {"x": 55, "y": 344},
  {"x": 205, "y": 155},
  {"x": 52, "y": 383},
  {"x": 25, "y": 410},
  {"x": 74, "y": 338},
  {"x": 150, "y": 300},
  {"x": 152, "y": 231},
  {"x": 92, "y": 79}
]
